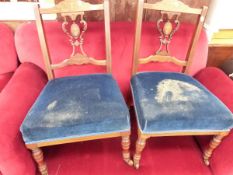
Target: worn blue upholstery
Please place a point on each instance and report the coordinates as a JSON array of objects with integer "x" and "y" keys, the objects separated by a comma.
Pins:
[
  {"x": 74, "y": 107},
  {"x": 174, "y": 102}
]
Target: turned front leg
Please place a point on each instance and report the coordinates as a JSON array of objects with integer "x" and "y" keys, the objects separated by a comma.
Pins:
[
  {"x": 212, "y": 146},
  {"x": 125, "y": 143},
  {"x": 39, "y": 158},
  {"x": 140, "y": 145}
]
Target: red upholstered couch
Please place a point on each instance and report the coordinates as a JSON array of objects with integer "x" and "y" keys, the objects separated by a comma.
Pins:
[
  {"x": 162, "y": 156},
  {"x": 8, "y": 57}
]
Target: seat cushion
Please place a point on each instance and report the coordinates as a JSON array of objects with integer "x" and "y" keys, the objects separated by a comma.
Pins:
[
  {"x": 74, "y": 107},
  {"x": 168, "y": 102}
]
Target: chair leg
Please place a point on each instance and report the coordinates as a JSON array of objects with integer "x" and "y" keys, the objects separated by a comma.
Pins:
[
  {"x": 39, "y": 158},
  {"x": 212, "y": 146},
  {"x": 140, "y": 145},
  {"x": 125, "y": 143}
]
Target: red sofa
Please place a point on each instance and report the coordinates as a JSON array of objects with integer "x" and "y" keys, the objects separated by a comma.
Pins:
[
  {"x": 8, "y": 57},
  {"x": 162, "y": 156}
]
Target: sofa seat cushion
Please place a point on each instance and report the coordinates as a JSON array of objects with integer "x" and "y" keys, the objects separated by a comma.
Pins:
[
  {"x": 8, "y": 56},
  {"x": 4, "y": 78},
  {"x": 162, "y": 156},
  {"x": 74, "y": 107},
  {"x": 168, "y": 102}
]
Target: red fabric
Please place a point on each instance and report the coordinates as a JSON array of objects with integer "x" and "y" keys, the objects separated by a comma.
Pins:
[
  {"x": 28, "y": 48},
  {"x": 4, "y": 78},
  {"x": 8, "y": 57},
  {"x": 15, "y": 101},
  {"x": 161, "y": 156},
  {"x": 222, "y": 86}
]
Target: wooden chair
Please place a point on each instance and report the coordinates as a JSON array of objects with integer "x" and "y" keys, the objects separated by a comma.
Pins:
[
  {"x": 77, "y": 108},
  {"x": 169, "y": 103}
]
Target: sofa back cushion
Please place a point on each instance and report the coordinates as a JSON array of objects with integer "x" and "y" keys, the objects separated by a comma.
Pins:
[
  {"x": 28, "y": 48},
  {"x": 8, "y": 56}
]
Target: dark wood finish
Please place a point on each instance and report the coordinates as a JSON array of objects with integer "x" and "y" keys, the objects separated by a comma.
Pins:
[{"x": 217, "y": 55}]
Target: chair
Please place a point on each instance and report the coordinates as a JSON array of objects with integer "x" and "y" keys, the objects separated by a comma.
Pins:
[
  {"x": 76, "y": 108},
  {"x": 170, "y": 103}
]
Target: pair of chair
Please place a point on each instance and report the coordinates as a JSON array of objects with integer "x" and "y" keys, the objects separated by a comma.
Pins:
[{"x": 88, "y": 107}]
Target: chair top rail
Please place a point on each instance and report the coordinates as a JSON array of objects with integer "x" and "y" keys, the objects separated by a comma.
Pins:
[
  {"x": 172, "y": 6},
  {"x": 71, "y": 6}
]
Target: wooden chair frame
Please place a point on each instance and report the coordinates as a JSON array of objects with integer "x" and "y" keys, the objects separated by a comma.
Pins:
[
  {"x": 73, "y": 7},
  {"x": 170, "y": 6}
]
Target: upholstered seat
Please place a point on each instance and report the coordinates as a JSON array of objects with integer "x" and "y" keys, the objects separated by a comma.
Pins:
[
  {"x": 74, "y": 107},
  {"x": 174, "y": 102}
]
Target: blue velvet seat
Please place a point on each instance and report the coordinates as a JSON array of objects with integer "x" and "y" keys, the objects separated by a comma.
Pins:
[
  {"x": 74, "y": 107},
  {"x": 174, "y": 102}
]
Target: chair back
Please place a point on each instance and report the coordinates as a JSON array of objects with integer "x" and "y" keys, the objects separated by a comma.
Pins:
[
  {"x": 167, "y": 26},
  {"x": 74, "y": 26}
]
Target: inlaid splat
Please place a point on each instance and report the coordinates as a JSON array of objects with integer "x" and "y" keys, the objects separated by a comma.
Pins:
[
  {"x": 167, "y": 25},
  {"x": 74, "y": 26}
]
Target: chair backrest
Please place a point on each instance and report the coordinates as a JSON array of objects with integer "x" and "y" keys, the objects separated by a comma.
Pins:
[
  {"x": 167, "y": 25},
  {"x": 74, "y": 26}
]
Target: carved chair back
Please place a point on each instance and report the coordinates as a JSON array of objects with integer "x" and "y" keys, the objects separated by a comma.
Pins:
[
  {"x": 74, "y": 26},
  {"x": 167, "y": 26}
]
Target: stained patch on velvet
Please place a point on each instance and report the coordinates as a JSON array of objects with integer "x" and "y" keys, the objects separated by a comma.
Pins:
[
  {"x": 52, "y": 105},
  {"x": 170, "y": 90},
  {"x": 60, "y": 117},
  {"x": 167, "y": 102}
]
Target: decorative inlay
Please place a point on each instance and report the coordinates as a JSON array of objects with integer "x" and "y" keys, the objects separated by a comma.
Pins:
[
  {"x": 75, "y": 26},
  {"x": 167, "y": 25}
]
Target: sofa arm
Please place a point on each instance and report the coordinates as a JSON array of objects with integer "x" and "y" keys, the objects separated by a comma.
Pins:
[
  {"x": 218, "y": 83},
  {"x": 222, "y": 87},
  {"x": 4, "y": 78},
  {"x": 15, "y": 101}
]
